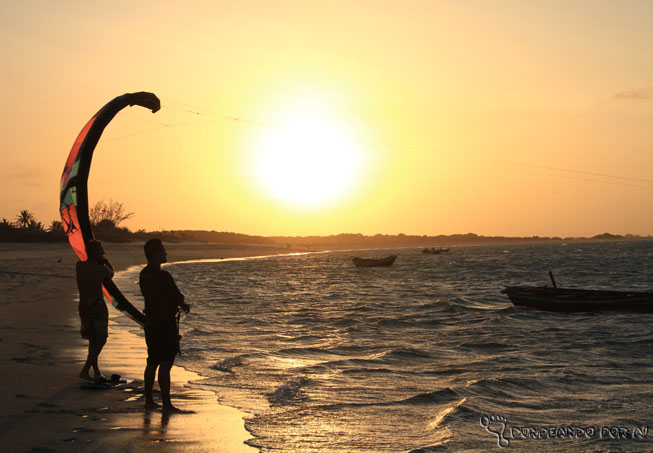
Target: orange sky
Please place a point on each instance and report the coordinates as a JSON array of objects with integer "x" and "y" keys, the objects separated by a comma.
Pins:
[{"x": 431, "y": 117}]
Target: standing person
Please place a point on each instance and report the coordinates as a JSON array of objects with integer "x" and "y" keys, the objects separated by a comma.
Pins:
[
  {"x": 162, "y": 300},
  {"x": 92, "y": 308}
]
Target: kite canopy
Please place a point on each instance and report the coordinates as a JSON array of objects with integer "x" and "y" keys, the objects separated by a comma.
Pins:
[{"x": 74, "y": 192}]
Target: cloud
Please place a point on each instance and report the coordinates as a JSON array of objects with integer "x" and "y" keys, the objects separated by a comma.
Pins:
[
  {"x": 641, "y": 94},
  {"x": 26, "y": 175}
]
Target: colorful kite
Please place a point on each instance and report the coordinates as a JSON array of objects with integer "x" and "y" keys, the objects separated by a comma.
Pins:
[{"x": 74, "y": 192}]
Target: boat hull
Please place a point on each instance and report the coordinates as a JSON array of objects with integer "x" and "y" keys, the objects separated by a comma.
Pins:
[
  {"x": 373, "y": 262},
  {"x": 579, "y": 300}
]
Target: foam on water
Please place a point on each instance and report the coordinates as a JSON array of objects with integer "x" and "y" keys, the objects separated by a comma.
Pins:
[{"x": 326, "y": 356}]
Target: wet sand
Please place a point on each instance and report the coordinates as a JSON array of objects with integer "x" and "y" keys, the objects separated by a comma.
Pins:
[{"x": 42, "y": 405}]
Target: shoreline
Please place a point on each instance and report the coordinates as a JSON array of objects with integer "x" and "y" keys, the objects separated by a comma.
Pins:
[
  {"x": 206, "y": 424},
  {"x": 42, "y": 406}
]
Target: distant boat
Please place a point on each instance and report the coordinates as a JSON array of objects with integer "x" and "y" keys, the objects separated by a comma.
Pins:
[
  {"x": 434, "y": 251},
  {"x": 578, "y": 300},
  {"x": 374, "y": 262}
]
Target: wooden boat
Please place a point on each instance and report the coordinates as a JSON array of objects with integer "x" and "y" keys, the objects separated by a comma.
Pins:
[
  {"x": 578, "y": 300},
  {"x": 374, "y": 262}
]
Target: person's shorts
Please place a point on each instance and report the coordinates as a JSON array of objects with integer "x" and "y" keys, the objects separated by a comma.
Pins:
[
  {"x": 95, "y": 320},
  {"x": 162, "y": 345}
]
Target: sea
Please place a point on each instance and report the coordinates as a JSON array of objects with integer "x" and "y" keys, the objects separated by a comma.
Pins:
[{"x": 426, "y": 355}]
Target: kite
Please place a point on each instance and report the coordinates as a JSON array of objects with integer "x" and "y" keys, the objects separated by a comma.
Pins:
[{"x": 74, "y": 192}]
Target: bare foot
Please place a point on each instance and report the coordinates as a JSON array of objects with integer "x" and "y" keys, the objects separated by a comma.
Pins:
[
  {"x": 170, "y": 409},
  {"x": 100, "y": 380},
  {"x": 152, "y": 405},
  {"x": 85, "y": 376}
]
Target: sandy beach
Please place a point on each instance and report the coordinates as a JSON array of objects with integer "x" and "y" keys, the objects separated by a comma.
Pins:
[{"x": 42, "y": 405}]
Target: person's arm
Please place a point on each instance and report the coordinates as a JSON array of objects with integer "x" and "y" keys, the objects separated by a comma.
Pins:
[
  {"x": 78, "y": 272},
  {"x": 175, "y": 294},
  {"x": 106, "y": 263},
  {"x": 108, "y": 270}
]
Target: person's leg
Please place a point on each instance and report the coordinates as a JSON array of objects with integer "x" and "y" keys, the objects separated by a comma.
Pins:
[
  {"x": 98, "y": 345},
  {"x": 153, "y": 355},
  {"x": 89, "y": 361},
  {"x": 150, "y": 373},
  {"x": 164, "y": 384},
  {"x": 95, "y": 345}
]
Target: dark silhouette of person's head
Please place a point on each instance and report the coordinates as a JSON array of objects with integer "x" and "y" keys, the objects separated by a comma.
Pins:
[
  {"x": 155, "y": 251},
  {"x": 94, "y": 249}
]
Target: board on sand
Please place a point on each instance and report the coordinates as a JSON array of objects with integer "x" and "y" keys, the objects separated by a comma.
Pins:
[{"x": 100, "y": 384}]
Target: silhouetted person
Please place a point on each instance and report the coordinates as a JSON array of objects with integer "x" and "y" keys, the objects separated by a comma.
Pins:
[
  {"x": 162, "y": 300},
  {"x": 92, "y": 309}
]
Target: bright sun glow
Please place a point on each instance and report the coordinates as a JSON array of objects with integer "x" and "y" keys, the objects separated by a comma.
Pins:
[{"x": 309, "y": 161}]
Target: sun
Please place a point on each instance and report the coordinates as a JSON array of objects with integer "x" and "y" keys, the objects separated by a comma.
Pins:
[{"x": 308, "y": 161}]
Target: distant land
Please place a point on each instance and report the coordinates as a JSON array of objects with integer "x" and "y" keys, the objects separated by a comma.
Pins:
[
  {"x": 10, "y": 233},
  {"x": 378, "y": 240}
]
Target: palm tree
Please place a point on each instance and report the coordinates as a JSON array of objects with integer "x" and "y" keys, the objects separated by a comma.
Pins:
[
  {"x": 55, "y": 227},
  {"x": 36, "y": 226},
  {"x": 5, "y": 225},
  {"x": 24, "y": 218}
]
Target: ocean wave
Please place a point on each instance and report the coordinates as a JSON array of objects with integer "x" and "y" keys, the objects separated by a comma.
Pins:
[
  {"x": 394, "y": 322},
  {"x": 351, "y": 348},
  {"x": 227, "y": 365},
  {"x": 503, "y": 387},
  {"x": 344, "y": 364},
  {"x": 309, "y": 351},
  {"x": 428, "y": 323},
  {"x": 442, "y": 396},
  {"x": 369, "y": 360},
  {"x": 629, "y": 342},
  {"x": 485, "y": 345},
  {"x": 374, "y": 371},
  {"x": 438, "y": 304},
  {"x": 432, "y": 448},
  {"x": 289, "y": 391},
  {"x": 437, "y": 396},
  {"x": 344, "y": 321},
  {"x": 196, "y": 331},
  {"x": 405, "y": 353}
]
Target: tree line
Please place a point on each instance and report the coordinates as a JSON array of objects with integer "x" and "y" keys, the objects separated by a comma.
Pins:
[{"x": 105, "y": 217}]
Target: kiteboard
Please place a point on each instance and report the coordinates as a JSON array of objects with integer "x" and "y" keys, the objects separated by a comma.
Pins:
[
  {"x": 73, "y": 196},
  {"x": 103, "y": 383}
]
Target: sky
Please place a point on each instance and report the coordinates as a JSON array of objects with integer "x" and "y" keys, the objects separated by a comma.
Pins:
[{"x": 513, "y": 118}]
